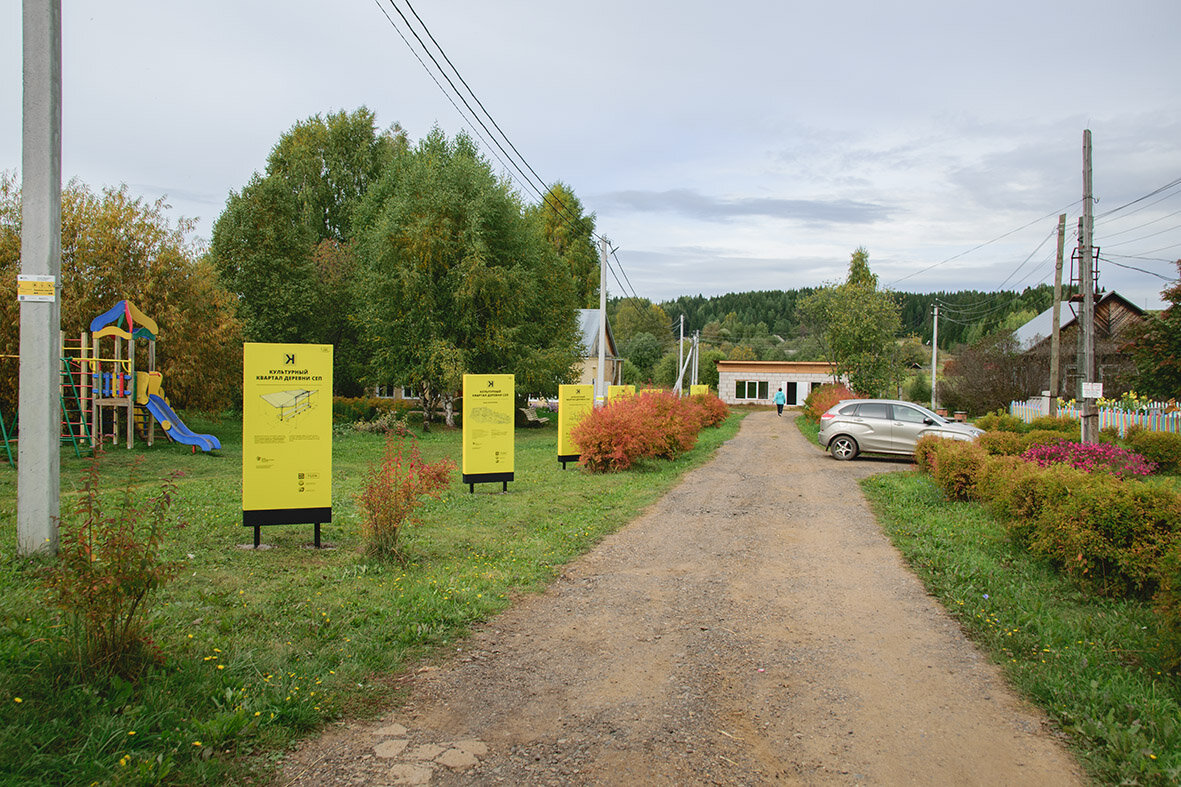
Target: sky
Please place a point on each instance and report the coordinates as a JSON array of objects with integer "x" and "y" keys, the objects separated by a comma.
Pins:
[{"x": 723, "y": 147}]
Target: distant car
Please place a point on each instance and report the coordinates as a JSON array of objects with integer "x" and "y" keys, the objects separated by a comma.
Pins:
[{"x": 884, "y": 426}]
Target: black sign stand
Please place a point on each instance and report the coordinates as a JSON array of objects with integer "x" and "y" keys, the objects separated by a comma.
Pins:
[
  {"x": 285, "y": 516},
  {"x": 471, "y": 479}
]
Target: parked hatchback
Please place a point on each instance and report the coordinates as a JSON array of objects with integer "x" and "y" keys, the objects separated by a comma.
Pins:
[{"x": 884, "y": 426}]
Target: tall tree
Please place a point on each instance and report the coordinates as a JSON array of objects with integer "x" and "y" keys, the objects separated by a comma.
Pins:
[
  {"x": 116, "y": 246},
  {"x": 856, "y": 324},
  {"x": 459, "y": 279},
  {"x": 275, "y": 237},
  {"x": 1156, "y": 347},
  {"x": 633, "y": 316},
  {"x": 572, "y": 234}
]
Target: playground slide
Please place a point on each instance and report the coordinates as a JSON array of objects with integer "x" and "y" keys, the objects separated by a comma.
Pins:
[{"x": 176, "y": 429}]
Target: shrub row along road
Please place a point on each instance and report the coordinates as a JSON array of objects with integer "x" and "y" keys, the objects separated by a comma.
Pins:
[{"x": 753, "y": 627}]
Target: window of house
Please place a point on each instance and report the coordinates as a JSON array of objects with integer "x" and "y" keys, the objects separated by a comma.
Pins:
[{"x": 750, "y": 389}]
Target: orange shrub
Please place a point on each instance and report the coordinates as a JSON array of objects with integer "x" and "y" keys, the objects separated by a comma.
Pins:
[
  {"x": 658, "y": 424},
  {"x": 824, "y": 397}
]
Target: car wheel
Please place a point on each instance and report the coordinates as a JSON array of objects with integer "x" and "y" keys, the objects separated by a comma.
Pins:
[{"x": 843, "y": 447}]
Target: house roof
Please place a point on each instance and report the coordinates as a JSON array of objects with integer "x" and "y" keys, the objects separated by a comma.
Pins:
[
  {"x": 589, "y": 320},
  {"x": 1039, "y": 328}
]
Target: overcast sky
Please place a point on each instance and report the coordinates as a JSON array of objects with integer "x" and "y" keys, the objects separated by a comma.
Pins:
[{"x": 723, "y": 147}]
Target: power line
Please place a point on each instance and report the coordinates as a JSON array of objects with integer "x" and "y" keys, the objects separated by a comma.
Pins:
[
  {"x": 982, "y": 245},
  {"x": 1134, "y": 268},
  {"x": 1152, "y": 193},
  {"x": 552, "y": 201}
]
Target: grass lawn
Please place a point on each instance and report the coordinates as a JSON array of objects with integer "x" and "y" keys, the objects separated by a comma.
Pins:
[{"x": 259, "y": 648}]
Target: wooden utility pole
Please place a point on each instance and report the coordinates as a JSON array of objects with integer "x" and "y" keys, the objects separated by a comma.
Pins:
[
  {"x": 1090, "y": 431},
  {"x": 934, "y": 352},
  {"x": 1056, "y": 319}
]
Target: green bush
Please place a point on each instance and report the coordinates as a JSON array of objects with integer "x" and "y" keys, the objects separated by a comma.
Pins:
[
  {"x": 1168, "y": 606},
  {"x": 351, "y": 410},
  {"x": 1003, "y": 486},
  {"x": 1109, "y": 534},
  {"x": 1001, "y": 443},
  {"x": 926, "y": 452},
  {"x": 1045, "y": 437},
  {"x": 957, "y": 468},
  {"x": 1063, "y": 423},
  {"x": 1000, "y": 421},
  {"x": 1163, "y": 448}
]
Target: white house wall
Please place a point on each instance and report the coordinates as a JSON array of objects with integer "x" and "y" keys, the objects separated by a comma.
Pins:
[{"x": 804, "y": 382}]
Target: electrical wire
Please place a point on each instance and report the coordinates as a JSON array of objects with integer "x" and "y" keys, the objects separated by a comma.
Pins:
[{"x": 982, "y": 245}]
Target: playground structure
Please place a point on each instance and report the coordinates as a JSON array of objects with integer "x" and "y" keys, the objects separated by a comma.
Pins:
[
  {"x": 122, "y": 396},
  {"x": 105, "y": 395}
]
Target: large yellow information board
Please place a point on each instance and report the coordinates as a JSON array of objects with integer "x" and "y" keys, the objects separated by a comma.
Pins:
[
  {"x": 619, "y": 391},
  {"x": 574, "y": 402},
  {"x": 488, "y": 429},
  {"x": 698, "y": 390},
  {"x": 286, "y": 435}
]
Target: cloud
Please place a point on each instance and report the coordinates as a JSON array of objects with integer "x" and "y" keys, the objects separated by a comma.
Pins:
[{"x": 694, "y": 205}]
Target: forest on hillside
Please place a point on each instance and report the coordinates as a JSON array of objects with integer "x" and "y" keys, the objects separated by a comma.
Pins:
[{"x": 966, "y": 316}]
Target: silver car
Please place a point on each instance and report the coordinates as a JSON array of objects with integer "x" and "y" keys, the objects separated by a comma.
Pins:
[{"x": 884, "y": 426}]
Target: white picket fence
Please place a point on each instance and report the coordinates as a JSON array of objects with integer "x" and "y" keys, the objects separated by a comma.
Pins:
[{"x": 1156, "y": 419}]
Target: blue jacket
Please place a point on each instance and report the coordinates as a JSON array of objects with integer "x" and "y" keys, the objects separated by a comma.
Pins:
[{"x": 780, "y": 398}]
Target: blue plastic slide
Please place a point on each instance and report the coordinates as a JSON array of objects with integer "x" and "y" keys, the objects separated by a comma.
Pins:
[{"x": 176, "y": 429}]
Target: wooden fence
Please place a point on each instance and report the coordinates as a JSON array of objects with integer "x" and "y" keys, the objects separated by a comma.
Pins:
[{"x": 1154, "y": 419}]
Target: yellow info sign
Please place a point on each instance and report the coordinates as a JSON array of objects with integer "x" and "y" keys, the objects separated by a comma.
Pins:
[
  {"x": 286, "y": 435},
  {"x": 619, "y": 391},
  {"x": 488, "y": 401},
  {"x": 698, "y": 390},
  {"x": 574, "y": 402}
]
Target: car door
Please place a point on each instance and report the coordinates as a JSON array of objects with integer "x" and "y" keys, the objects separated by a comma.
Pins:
[
  {"x": 908, "y": 425},
  {"x": 873, "y": 426}
]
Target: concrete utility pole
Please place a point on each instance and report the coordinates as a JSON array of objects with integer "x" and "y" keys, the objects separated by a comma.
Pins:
[
  {"x": 1090, "y": 419},
  {"x": 601, "y": 386},
  {"x": 696, "y": 353},
  {"x": 934, "y": 352},
  {"x": 37, "y": 501},
  {"x": 1056, "y": 319},
  {"x": 680, "y": 351}
]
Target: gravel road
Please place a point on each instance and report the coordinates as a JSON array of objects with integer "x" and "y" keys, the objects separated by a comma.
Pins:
[{"x": 752, "y": 627}]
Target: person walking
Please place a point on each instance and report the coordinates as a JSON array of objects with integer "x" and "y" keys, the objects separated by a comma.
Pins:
[{"x": 780, "y": 400}]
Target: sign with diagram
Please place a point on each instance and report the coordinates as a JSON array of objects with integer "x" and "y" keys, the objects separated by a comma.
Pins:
[
  {"x": 286, "y": 435},
  {"x": 619, "y": 391},
  {"x": 574, "y": 402},
  {"x": 488, "y": 429}
]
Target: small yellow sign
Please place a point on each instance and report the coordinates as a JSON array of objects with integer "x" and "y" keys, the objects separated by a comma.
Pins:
[
  {"x": 488, "y": 434},
  {"x": 36, "y": 288},
  {"x": 619, "y": 391},
  {"x": 574, "y": 402},
  {"x": 698, "y": 390},
  {"x": 286, "y": 434}
]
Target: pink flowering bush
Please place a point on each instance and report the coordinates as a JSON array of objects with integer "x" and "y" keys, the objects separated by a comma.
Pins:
[{"x": 1090, "y": 457}]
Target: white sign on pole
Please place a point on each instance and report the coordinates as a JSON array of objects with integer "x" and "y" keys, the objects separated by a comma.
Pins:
[{"x": 1092, "y": 390}]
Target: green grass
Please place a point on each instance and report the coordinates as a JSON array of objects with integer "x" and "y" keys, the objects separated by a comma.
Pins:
[
  {"x": 1088, "y": 661},
  {"x": 262, "y": 647}
]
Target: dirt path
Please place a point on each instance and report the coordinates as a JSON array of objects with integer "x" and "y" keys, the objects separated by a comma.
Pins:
[{"x": 753, "y": 627}]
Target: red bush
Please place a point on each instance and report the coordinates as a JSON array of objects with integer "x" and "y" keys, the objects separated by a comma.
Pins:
[
  {"x": 713, "y": 409},
  {"x": 821, "y": 399},
  {"x": 657, "y": 424}
]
